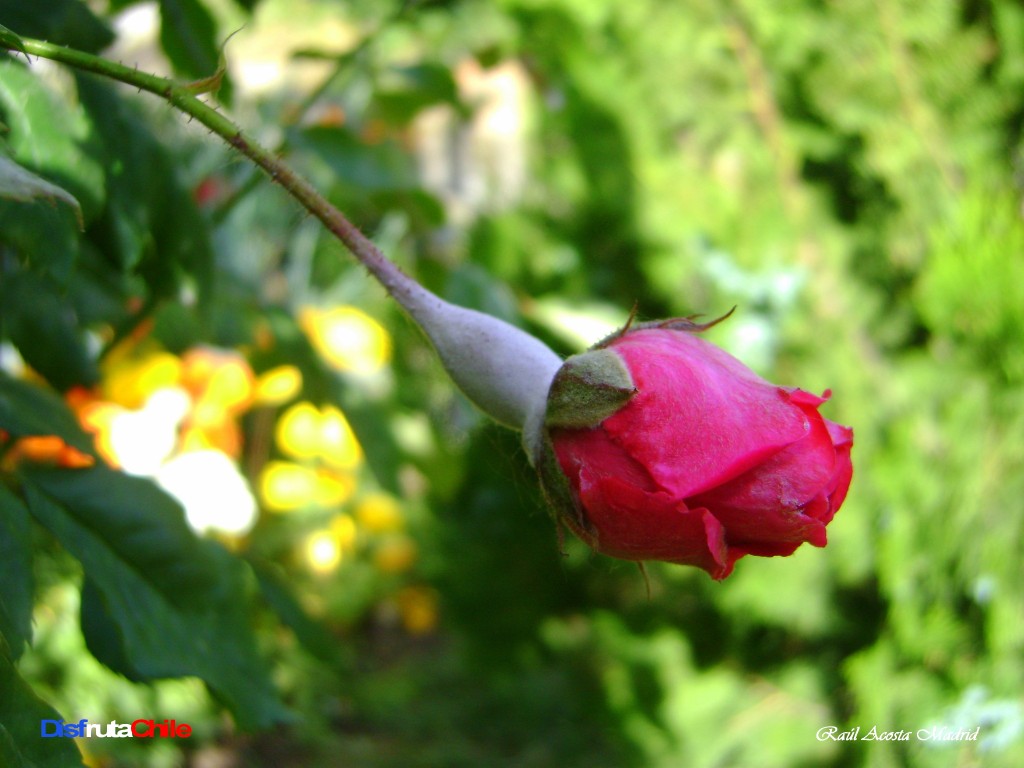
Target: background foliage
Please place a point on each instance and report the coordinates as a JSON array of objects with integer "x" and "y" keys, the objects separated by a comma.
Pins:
[{"x": 849, "y": 174}]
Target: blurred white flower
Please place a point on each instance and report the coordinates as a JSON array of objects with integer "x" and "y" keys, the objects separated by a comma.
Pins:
[
  {"x": 215, "y": 495},
  {"x": 142, "y": 440}
]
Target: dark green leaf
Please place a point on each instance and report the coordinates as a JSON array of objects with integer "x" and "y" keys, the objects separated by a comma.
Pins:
[
  {"x": 100, "y": 294},
  {"x": 151, "y": 221},
  {"x": 406, "y": 91},
  {"x": 66, "y": 22},
  {"x": 204, "y": 633},
  {"x": 17, "y": 183},
  {"x": 28, "y": 409},
  {"x": 102, "y": 634},
  {"x": 425, "y": 211},
  {"x": 188, "y": 35},
  {"x": 362, "y": 166},
  {"x": 485, "y": 518},
  {"x": 20, "y": 714},
  {"x": 53, "y": 140},
  {"x": 15, "y": 572},
  {"x": 43, "y": 326},
  {"x": 312, "y": 634},
  {"x": 46, "y": 237},
  {"x": 50, "y": 135},
  {"x": 382, "y": 453},
  {"x": 176, "y": 326},
  {"x": 140, "y": 523}
]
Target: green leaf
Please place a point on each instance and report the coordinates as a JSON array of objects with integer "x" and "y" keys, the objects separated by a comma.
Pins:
[
  {"x": 20, "y": 713},
  {"x": 406, "y": 91},
  {"x": 10, "y": 40},
  {"x": 28, "y": 409},
  {"x": 103, "y": 636},
  {"x": 100, "y": 294},
  {"x": 312, "y": 634},
  {"x": 18, "y": 183},
  {"x": 142, "y": 525},
  {"x": 45, "y": 329},
  {"x": 188, "y": 35},
  {"x": 364, "y": 167},
  {"x": 383, "y": 454},
  {"x": 425, "y": 211},
  {"x": 202, "y": 631},
  {"x": 53, "y": 139},
  {"x": 15, "y": 572},
  {"x": 65, "y": 22},
  {"x": 50, "y": 135},
  {"x": 151, "y": 222},
  {"x": 46, "y": 237}
]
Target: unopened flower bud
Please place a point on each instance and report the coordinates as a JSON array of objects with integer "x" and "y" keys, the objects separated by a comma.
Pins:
[{"x": 657, "y": 445}]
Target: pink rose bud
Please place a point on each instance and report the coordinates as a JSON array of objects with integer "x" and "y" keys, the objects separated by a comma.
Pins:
[{"x": 657, "y": 445}]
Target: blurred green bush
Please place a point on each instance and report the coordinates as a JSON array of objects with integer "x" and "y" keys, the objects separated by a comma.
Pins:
[{"x": 376, "y": 583}]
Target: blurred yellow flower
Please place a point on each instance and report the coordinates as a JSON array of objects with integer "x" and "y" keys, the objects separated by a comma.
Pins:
[
  {"x": 298, "y": 431},
  {"x": 395, "y": 555},
  {"x": 417, "y": 607},
  {"x": 231, "y": 386},
  {"x": 96, "y": 417},
  {"x": 130, "y": 381},
  {"x": 379, "y": 513},
  {"x": 155, "y": 404},
  {"x": 223, "y": 435},
  {"x": 323, "y": 552},
  {"x": 344, "y": 529},
  {"x": 286, "y": 486},
  {"x": 347, "y": 338},
  {"x": 333, "y": 488},
  {"x": 220, "y": 380},
  {"x": 305, "y": 432},
  {"x": 338, "y": 444},
  {"x": 278, "y": 385}
]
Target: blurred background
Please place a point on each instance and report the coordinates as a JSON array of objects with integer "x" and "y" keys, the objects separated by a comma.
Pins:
[{"x": 849, "y": 175}]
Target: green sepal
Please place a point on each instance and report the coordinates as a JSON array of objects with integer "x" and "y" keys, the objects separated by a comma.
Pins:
[
  {"x": 565, "y": 509},
  {"x": 587, "y": 389}
]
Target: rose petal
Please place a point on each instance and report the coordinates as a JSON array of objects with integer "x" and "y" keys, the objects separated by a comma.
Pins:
[
  {"x": 787, "y": 481},
  {"x": 635, "y": 524},
  {"x": 595, "y": 449},
  {"x": 783, "y": 500},
  {"x": 700, "y": 417},
  {"x": 842, "y": 437}
]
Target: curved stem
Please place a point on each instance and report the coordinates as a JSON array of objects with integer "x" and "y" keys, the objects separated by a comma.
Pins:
[
  {"x": 505, "y": 371},
  {"x": 184, "y": 98}
]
